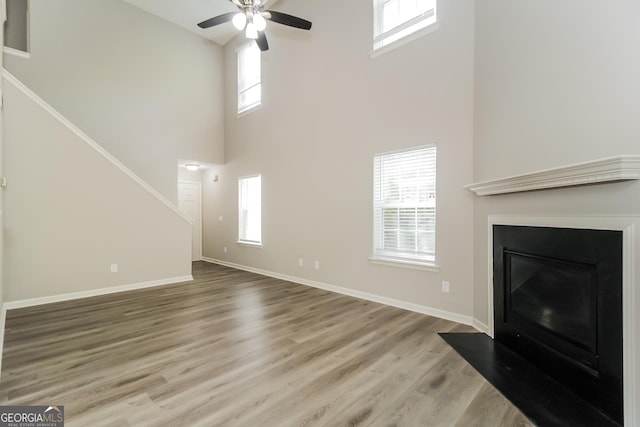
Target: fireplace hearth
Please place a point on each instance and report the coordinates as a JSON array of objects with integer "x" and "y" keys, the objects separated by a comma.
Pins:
[
  {"x": 543, "y": 399},
  {"x": 557, "y": 297}
]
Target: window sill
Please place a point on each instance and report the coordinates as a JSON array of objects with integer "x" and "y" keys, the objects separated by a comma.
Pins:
[
  {"x": 249, "y": 244},
  {"x": 248, "y": 110},
  {"x": 408, "y": 39},
  {"x": 413, "y": 265},
  {"x": 16, "y": 52}
]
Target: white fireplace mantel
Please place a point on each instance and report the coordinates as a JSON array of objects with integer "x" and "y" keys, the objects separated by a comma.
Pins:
[{"x": 618, "y": 168}]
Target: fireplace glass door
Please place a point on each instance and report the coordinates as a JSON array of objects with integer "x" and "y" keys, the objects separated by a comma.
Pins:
[{"x": 554, "y": 302}]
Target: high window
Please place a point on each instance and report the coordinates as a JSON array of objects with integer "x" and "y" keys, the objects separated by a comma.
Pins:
[
  {"x": 250, "y": 210},
  {"x": 249, "y": 85},
  {"x": 16, "y": 28},
  {"x": 404, "y": 208},
  {"x": 396, "y": 19}
]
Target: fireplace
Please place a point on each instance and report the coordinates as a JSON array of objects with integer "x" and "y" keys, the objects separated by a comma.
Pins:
[{"x": 557, "y": 298}]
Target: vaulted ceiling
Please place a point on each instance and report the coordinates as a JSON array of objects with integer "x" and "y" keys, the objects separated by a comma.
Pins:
[{"x": 187, "y": 14}]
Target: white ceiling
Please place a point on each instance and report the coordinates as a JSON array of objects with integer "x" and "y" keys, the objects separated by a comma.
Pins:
[{"x": 187, "y": 14}]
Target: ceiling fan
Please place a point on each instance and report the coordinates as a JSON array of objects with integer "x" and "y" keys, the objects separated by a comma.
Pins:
[{"x": 253, "y": 19}]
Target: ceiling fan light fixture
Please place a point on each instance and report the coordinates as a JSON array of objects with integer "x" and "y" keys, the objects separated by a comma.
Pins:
[
  {"x": 239, "y": 21},
  {"x": 251, "y": 31},
  {"x": 259, "y": 22},
  {"x": 252, "y": 19}
]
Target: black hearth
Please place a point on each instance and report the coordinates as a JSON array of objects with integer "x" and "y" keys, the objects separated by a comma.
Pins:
[{"x": 558, "y": 304}]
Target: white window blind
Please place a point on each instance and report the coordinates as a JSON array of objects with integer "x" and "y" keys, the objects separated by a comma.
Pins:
[
  {"x": 395, "y": 19},
  {"x": 250, "y": 209},
  {"x": 249, "y": 79},
  {"x": 405, "y": 205}
]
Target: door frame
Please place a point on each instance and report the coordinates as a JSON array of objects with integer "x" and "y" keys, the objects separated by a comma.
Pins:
[{"x": 198, "y": 185}]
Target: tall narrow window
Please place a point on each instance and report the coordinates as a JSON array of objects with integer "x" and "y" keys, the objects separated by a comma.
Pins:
[
  {"x": 249, "y": 86},
  {"x": 250, "y": 210},
  {"x": 395, "y": 19},
  {"x": 404, "y": 208},
  {"x": 16, "y": 28}
]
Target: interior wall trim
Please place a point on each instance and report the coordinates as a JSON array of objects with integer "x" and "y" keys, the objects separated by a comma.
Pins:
[
  {"x": 480, "y": 326},
  {"x": 16, "y": 52},
  {"x": 429, "y": 311},
  {"x": 629, "y": 225},
  {"x": 610, "y": 169},
  {"x": 12, "y": 305},
  {"x": 10, "y": 78},
  {"x": 3, "y": 316}
]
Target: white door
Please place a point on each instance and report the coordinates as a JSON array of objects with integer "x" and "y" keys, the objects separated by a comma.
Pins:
[{"x": 190, "y": 202}]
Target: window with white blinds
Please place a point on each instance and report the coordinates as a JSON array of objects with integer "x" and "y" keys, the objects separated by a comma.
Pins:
[
  {"x": 250, "y": 210},
  {"x": 395, "y": 19},
  {"x": 249, "y": 77},
  {"x": 405, "y": 205}
]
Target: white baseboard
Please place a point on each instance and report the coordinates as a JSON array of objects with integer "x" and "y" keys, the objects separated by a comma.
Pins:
[
  {"x": 12, "y": 305},
  {"x": 480, "y": 326},
  {"x": 430, "y": 311},
  {"x": 3, "y": 316}
]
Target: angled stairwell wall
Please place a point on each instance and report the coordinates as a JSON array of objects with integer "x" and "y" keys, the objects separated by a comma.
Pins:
[
  {"x": 150, "y": 92},
  {"x": 72, "y": 210}
]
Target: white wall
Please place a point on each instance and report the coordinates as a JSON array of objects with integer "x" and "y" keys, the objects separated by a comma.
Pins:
[
  {"x": 327, "y": 109},
  {"x": 556, "y": 83},
  {"x": 70, "y": 213},
  {"x": 146, "y": 90}
]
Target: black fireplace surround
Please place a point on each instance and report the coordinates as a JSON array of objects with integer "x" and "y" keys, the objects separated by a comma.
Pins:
[{"x": 558, "y": 304}]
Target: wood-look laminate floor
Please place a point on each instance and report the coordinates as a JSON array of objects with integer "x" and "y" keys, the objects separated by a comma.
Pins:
[{"x": 237, "y": 348}]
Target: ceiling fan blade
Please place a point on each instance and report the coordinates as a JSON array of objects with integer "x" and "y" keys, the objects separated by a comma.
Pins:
[
  {"x": 284, "y": 19},
  {"x": 262, "y": 41},
  {"x": 217, "y": 20}
]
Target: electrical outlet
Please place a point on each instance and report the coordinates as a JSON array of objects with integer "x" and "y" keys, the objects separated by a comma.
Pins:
[
  {"x": 225, "y": 249},
  {"x": 317, "y": 265},
  {"x": 220, "y": 218},
  {"x": 300, "y": 262},
  {"x": 114, "y": 268},
  {"x": 445, "y": 286}
]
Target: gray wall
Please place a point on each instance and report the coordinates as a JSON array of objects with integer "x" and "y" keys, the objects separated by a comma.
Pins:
[
  {"x": 147, "y": 91},
  {"x": 327, "y": 109},
  {"x": 556, "y": 83}
]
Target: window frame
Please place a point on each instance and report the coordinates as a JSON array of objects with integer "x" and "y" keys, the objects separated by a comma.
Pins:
[
  {"x": 413, "y": 28},
  {"x": 241, "y": 74},
  {"x": 26, "y": 53},
  {"x": 242, "y": 232},
  {"x": 427, "y": 184}
]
